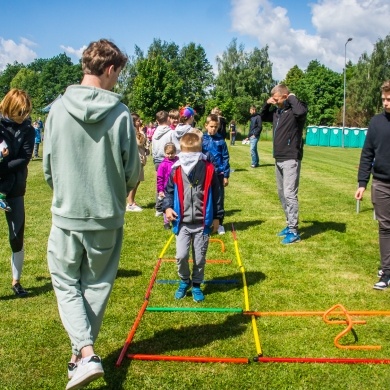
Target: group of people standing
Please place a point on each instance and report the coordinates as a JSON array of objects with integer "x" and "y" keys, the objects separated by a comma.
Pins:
[{"x": 192, "y": 170}]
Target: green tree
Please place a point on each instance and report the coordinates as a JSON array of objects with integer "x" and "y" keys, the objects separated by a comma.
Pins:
[
  {"x": 363, "y": 87},
  {"x": 244, "y": 77},
  {"x": 321, "y": 88},
  {"x": 196, "y": 72},
  {"x": 6, "y": 77}
]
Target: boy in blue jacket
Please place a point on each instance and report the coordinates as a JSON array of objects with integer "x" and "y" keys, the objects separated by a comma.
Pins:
[
  {"x": 193, "y": 204},
  {"x": 214, "y": 146}
]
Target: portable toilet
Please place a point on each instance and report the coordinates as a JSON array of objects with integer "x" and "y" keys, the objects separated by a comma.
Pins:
[
  {"x": 324, "y": 136},
  {"x": 335, "y": 136},
  {"x": 312, "y": 134}
]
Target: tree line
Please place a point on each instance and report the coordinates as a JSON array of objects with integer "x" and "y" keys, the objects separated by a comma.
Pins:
[{"x": 167, "y": 76}]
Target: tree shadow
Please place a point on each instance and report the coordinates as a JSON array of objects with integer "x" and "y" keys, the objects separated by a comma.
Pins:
[
  {"x": 320, "y": 227},
  {"x": 127, "y": 273},
  {"x": 243, "y": 225},
  {"x": 252, "y": 278}
]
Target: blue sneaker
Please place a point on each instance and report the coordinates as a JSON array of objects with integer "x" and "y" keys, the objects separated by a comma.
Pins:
[
  {"x": 283, "y": 232},
  {"x": 181, "y": 292},
  {"x": 197, "y": 294},
  {"x": 291, "y": 238},
  {"x": 4, "y": 205}
]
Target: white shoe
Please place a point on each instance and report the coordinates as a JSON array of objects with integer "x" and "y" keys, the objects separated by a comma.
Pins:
[
  {"x": 159, "y": 213},
  {"x": 221, "y": 229},
  {"x": 85, "y": 373},
  {"x": 133, "y": 207}
]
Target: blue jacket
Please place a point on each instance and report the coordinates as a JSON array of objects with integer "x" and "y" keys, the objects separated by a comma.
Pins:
[
  {"x": 214, "y": 146},
  {"x": 196, "y": 199}
]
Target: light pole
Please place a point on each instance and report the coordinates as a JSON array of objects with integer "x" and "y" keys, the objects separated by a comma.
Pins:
[{"x": 345, "y": 82}]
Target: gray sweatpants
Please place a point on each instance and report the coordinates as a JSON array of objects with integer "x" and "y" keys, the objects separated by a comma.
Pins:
[
  {"x": 380, "y": 196},
  {"x": 191, "y": 234},
  {"x": 83, "y": 267},
  {"x": 287, "y": 181}
]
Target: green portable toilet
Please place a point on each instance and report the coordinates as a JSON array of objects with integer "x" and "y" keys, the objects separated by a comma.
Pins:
[
  {"x": 354, "y": 138},
  {"x": 324, "y": 136},
  {"x": 362, "y": 137},
  {"x": 347, "y": 136},
  {"x": 312, "y": 134},
  {"x": 335, "y": 136}
]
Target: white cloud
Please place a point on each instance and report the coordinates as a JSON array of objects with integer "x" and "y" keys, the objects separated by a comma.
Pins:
[
  {"x": 333, "y": 22},
  {"x": 75, "y": 52},
  {"x": 11, "y": 51}
]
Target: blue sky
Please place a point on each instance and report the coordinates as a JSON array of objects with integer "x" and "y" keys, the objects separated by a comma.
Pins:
[{"x": 296, "y": 31}]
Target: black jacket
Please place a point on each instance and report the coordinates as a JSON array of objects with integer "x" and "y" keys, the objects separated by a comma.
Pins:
[
  {"x": 20, "y": 138},
  {"x": 255, "y": 126},
  {"x": 288, "y": 123},
  {"x": 375, "y": 156}
]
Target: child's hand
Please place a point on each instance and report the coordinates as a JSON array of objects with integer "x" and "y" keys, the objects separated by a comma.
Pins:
[
  {"x": 5, "y": 152},
  {"x": 170, "y": 215},
  {"x": 225, "y": 181},
  {"x": 215, "y": 225}
]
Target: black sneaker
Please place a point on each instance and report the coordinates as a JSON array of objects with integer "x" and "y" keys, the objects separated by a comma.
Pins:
[
  {"x": 383, "y": 282},
  {"x": 18, "y": 290}
]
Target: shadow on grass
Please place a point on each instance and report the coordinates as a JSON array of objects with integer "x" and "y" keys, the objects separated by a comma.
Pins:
[
  {"x": 243, "y": 225},
  {"x": 320, "y": 227},
  {"x": 32, "y": 291},
  {"x": 252, "y": 278},
  {"x": 172, "y": 339},
  {"x": 127, "y": 273},
  {"x": 228, "y": 213}
]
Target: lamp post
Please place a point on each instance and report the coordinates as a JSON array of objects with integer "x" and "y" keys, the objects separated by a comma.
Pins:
[{"x": 345, "y": 82}]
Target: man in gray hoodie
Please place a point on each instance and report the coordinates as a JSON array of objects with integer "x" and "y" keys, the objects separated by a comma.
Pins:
[{"x": 91, "y": 162}]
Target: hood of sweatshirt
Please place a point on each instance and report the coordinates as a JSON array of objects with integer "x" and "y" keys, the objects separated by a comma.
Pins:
[
  {"x": 181, "y": 129},
  {"x": 89, "y": 104},
  {"x": 160, "y": 131}
]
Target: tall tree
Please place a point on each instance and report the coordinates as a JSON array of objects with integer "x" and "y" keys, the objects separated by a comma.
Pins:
[
  {"x": 196, "y": 72},
  {"x": 6, "y": 77},
  {"x": 245, "y": 77}
]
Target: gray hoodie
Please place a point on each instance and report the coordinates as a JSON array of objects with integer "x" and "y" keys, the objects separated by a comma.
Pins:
[
  {"x": 180, "y": 130},
  {"x": 90, "y": 159},
  {"x": 161, "y": 136}
]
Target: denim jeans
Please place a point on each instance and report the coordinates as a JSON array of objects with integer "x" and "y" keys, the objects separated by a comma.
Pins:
[
  {"x": 287, "y": 180},
  {"x": 254, "y": 153},
  {"x": 380, "y": 196}
]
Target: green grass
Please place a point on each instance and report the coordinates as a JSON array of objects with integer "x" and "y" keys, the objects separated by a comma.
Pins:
[{"x": 336, "y": 262}]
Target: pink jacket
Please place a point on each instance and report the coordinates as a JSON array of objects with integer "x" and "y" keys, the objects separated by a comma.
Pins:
[{"x": 163, "y": 173}]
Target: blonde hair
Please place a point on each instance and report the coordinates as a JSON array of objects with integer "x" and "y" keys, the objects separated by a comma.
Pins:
[
  {"x": 16, "y": 105},
  {"x": 191, "y": 142}
]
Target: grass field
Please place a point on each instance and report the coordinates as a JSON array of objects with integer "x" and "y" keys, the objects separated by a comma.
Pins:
[{"x": 336, "y": 262}]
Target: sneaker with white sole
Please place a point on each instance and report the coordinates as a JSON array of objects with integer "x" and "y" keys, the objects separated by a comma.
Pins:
[
  {"x": 380, "y": 273},
  {"x": 85, "y": 373},
  {"x": 382, "y": 283},
  {"x": 291, "y": 237},
  {"x": 181, "y": 292},
  {"x": 133, "y": 207},
  {"x": 197, "y": 294},
  {"x": 71, "y": 369},
  {"x": 221, "y": 229}
]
